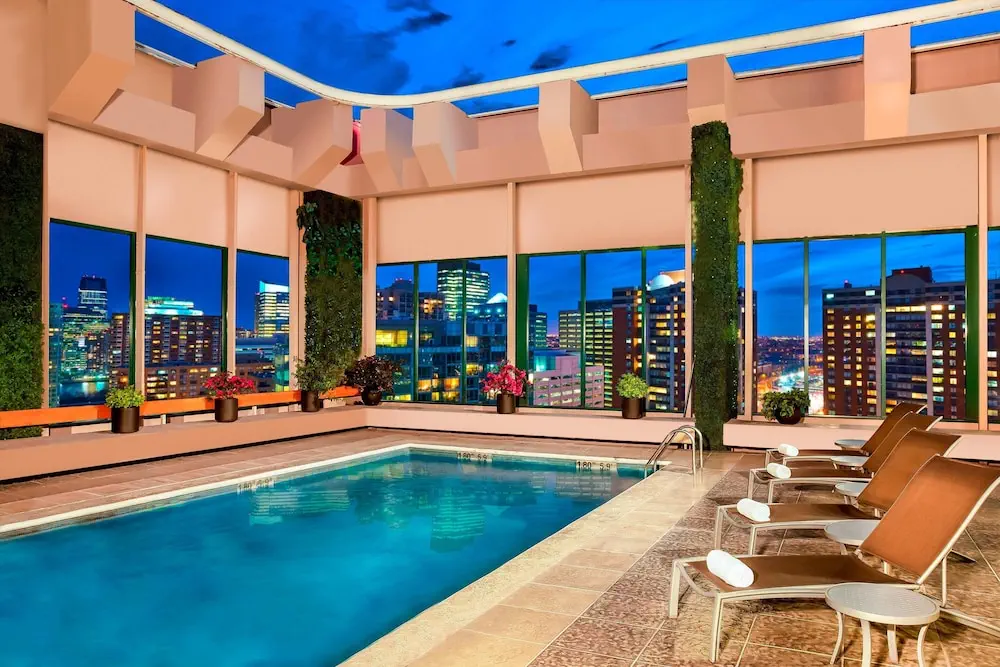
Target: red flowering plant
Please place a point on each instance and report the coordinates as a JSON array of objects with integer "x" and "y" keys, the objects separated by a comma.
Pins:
[
  {"x": 508, "y": 379},
  {"x": 227, "y": 385}
]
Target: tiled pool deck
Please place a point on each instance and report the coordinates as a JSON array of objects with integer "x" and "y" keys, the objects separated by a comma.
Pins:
[{"x": 594, "y": 594}]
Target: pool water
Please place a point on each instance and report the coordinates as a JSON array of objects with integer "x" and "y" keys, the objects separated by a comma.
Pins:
[{"x": 303, "y": 574}]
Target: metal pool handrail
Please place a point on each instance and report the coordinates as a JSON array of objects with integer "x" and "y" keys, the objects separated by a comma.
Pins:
[{"x": 697, "y": 448}]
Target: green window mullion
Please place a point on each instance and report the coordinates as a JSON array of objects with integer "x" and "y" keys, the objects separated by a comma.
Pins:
[
  {"x": 415, "y": 364},
  {"x": 131, "y": 315},
  {"x": 972, "y": 316},
  {"x": 523, "y": 314},
  {"x": 805, "y": 314},
  {"x": 225, "y": 312},
  {"x": 642, "y": 318}
]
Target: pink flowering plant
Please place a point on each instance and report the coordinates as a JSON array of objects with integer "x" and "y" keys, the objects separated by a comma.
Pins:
[
  {"x": 508, "y": 379},
  {"x": 227, "y": 385}
]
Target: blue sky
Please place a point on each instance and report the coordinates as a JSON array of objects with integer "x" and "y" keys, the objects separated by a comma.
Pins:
[{"x": 410, "y": 46}]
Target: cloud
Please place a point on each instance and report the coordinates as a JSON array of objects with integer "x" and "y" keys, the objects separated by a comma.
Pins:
[
  {"x": 467, "y": 77},
  {"x": 551, "y": 58},
  {"x": 403, "y": 5},
  {"x": 431, "y": 20}
]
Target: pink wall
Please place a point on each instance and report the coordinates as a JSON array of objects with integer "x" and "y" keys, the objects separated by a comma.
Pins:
[
  {"x": 465, "y": 223},
  {"x": 22, "y": 64},
  {"x": 930, "y": 185},
  {"x": 614, "y": 211},
  {"x": 185, "y": 200},
  {"x": 261, "y": 217}
]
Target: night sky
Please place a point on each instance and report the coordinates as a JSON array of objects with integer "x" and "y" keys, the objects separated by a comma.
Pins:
[
  {"x": 181, "y": 270},
  {"x": 410, "y": 46}
]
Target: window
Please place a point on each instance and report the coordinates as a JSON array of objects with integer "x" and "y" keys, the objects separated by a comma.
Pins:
[
  {"x": 845, "y": 315},
  {"x": 395, "y": 336},
  {"x": 184, "y": 328},
  {"x": 925, "y": 302},
  {"x": 439, "y": 349},
  {"x": 262, "y": 308},
  {"x": 486, "y": 323},
  {"x": 460, "y": 330},
  {"x": 779, "y": 280},
  {"x": 554, "y": 364},
  {"x": 612, "y": 318},
  {"x": 665, "y": 333},
  {"x": 90, "y": 312}
]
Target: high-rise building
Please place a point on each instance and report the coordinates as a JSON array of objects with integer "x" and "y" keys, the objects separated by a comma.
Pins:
[
  {"x": 183, "y": 347},
  {"x": 85, "y": 343},
  {"x": 395, "y": 301},
  {"x": 452, "y": 281},
  {"x": 93, "y": 294},
  {"x": 270, "y": 309},
  {"x": 538, "y": 325},
  {"x": 556, "y": 381},
  {"x": 55, "y": 351},
  {"x": 924, "y": 345},
  {"x": 121, "y": 340},
  {"x": 666, "y": 340}
]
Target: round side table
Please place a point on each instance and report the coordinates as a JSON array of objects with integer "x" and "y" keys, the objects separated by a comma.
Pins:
[
  {"x": 881, "y": 603},
  {"x": 850, "y": 489},
  {"x": 850, "y": 443},
  {"x": 850, "y": 532},
  {"x": 850, "y": 461}
]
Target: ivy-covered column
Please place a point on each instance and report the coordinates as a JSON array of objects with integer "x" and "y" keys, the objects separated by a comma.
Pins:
[
  {"x": 716, "y": 181},
  {"x": 332, "y": 233},
  {"x": 20, "y": 274}
]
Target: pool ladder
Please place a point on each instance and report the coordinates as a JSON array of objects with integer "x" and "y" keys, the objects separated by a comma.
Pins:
[{"x": 690, "y": 435}]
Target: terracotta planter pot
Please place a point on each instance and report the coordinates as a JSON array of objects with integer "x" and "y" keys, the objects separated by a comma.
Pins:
[
  {"x": 371, "y": 396},
  {"x": 633, "y": 408},
  {"x": 227, "y": 410},
  {"x": 311, "y": 402},
  {"x": 795, "y": 418},
  {"x": 125, "y": 420},
  {"x": 506, "y": 404}
]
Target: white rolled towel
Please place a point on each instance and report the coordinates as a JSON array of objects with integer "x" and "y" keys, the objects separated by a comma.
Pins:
[
  {"x": 779, "y": 471},
  {"x": 788, "y": 450},
  {"x": 754, "y": 510},
  {"x": 729, "y": 568}
]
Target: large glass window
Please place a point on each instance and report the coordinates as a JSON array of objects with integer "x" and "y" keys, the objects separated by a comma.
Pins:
[
  {"x": 395, "y": 337},
  {"x": 439, "y": 373},
  {"x": 612, "y": 319},
  {"x": 665, "y": 333},
  {"x": 184, "y": 328},
  {"x": 486, "y": 323},
  {"x": 845, "y": 306},
  {"x": 779, "y": 280},
  {"x": 262, "y": 308},
  {"x": 90, "y": 305},
  {"x": 554, "y": 364},
  {"x": 925, "y": 322}
]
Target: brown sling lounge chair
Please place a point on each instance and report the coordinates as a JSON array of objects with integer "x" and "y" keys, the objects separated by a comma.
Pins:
[
  {"x": 915, "y": 536},
  {"x": 909, "y": 453},
  {"x": 824, "y": 474},
  {"x": 867, "y": 449}
]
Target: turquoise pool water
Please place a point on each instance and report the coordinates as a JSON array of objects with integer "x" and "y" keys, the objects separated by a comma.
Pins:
[{"x": 303, "y": 574}]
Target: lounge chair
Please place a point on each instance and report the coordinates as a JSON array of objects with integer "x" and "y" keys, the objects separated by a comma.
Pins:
[
  {"x": 914, "y": 536},
  {"x": 908, "y": 454},
  {"x": 824, "y": 474},
  {"x": 867, "y": 449}
]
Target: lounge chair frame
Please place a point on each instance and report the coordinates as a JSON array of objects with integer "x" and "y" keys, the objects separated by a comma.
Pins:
[{"x": 719, "y": 598}]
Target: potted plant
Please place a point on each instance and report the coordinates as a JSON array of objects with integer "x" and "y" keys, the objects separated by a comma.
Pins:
[
  {"x": 787, "y": 407},
  {"x": 313, "y": 379},
  {"x": 507, "y": 385},
  {"x": 124, "y": 403},
  {"x": 373, "y": 376},
  {"x": 633, "y": 390},
  {"x": 224, "y": 387}
]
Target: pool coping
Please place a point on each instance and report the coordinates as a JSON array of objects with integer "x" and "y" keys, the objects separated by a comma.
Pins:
[{"x": 269, "y": 477}]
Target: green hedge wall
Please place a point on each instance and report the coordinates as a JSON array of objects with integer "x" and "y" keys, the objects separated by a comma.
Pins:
[
  {"x": 20, "y": 274},
  {"x": 332, "y": 232},
  {"x": 716, "y": 181}
]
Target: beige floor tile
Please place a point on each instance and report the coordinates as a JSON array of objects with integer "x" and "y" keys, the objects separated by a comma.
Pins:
[
  {"x": 572, "y": 576},
  {"x": 606, "y": 560},
  {"x": 528, "y": 625},
  {"x": 556, "y": 599},
  {"x": 466, "y": 648}
]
